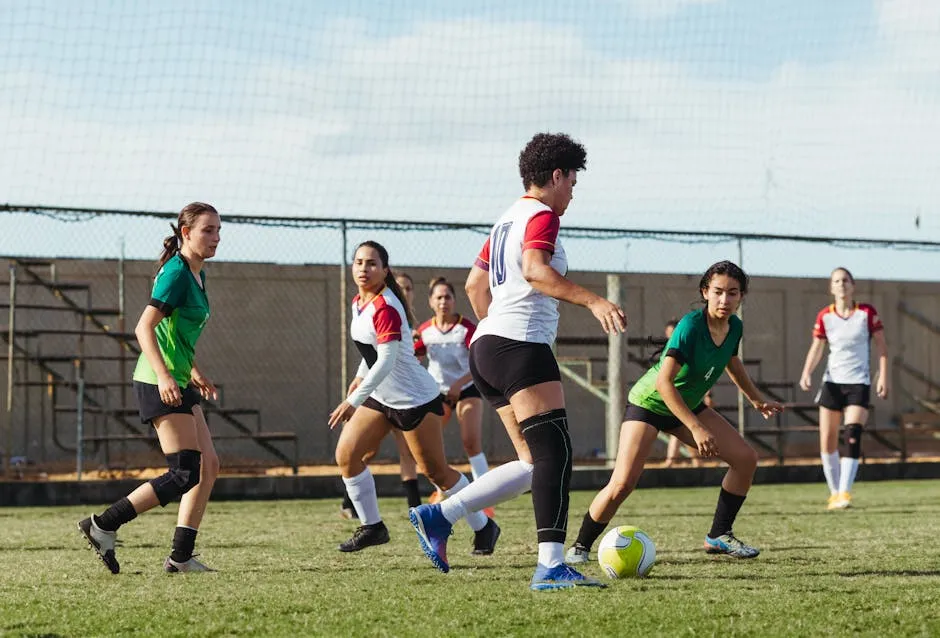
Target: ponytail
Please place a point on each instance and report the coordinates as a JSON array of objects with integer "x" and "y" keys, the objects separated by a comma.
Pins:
[
  {"x": 397, "y": 291},
  {"x": 186, "y": 219},
  {"x": 171, "y": 245}
]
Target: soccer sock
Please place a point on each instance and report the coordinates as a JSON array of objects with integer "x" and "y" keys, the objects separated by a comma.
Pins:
[
  {"x": 499, "y": 484},
  {"x": 830, "y": 463},
  {"x": 548, "y": 440},
  {"x": 590, "y": 530},
  {"x": 361, "y": 490},
  {"x": 476, "y": 520},
  {"x": 478, "y": 465},
  {"x": 411, "y": 492},
  {"x": 725, "y": 512},
  {"x": 551, "y": 554},
  {"x": 119, "y": 513},
  {"x": 184, "y": 541},
  {"x": 849, "y": 469}
]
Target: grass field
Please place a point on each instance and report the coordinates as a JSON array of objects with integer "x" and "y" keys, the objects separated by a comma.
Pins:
[{"x": 873, "y": 570}]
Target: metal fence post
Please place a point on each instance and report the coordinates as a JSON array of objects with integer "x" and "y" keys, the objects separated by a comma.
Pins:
[
  {"x": 616, "y": 372},
  {"x": 741, "y": 415},
  {"x": 8, "y": 452}
]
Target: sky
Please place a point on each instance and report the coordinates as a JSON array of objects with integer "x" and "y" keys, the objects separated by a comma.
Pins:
[{"x": 757, "y": 116}]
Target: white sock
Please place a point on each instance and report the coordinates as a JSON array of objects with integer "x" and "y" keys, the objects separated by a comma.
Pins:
[
  {"x": 361, "y": 490},
  {"x": 849, "y": 469},
  {"x": 476, "y": 520},
  {"x": 478, "y": 465},
  {"x": 551, "y": 554},
  {"x": 499, "y": 484},
  {"x": 830, "y": 463}
]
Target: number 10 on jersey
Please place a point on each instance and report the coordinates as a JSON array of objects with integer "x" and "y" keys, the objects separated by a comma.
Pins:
[{"x": 498, "y": 257}]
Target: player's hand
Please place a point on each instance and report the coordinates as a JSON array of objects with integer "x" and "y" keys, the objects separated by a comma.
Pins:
[
  {"x": 610, "y": 316},
  {"x": 341, "y": 414},
  {"x": 169, "y": 389},
  {"x": 453, "y": 394},
  {"x": 353, "y": 385},
  {"x": 806, "y": 382},
  {"x": 881, "y": 388},
  {"x": 707, "y": 446},
  {"x": 768, "y": 408},
  {"x": 206, "y": 388}
]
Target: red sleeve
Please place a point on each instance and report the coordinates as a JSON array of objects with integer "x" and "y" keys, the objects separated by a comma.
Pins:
[
  {"x": 387, "y": 324},
  {"x": 541, "y": 232},
  {"x": 471, "y": 328},
  {"x": 483, "y": 259},
  {"x": 819, "y": 328},
  {"x": 420, "y": 348},
  {"x": 874, "y": 321}
]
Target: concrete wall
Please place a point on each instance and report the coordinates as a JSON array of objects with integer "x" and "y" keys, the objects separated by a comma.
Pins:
[{"x": 274, "y": 342}]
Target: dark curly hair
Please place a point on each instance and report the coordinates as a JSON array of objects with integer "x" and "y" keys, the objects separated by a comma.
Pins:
[
  {"x": 544, "y": 153},
  {"x": 728, "y": 268}
]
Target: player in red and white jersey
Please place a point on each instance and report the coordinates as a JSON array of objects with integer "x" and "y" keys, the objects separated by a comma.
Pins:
[
  {"x": 849, "y": 328},
  {"x": 445, "y": 341},
  {"x": 395, "y": 391},
  {"x": 514, "y": 288}
]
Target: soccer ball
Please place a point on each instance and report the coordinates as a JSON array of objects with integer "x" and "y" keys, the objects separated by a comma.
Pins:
[{"x": 626, "y": 552}]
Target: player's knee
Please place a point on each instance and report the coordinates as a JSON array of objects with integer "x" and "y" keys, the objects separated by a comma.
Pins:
[
  {"x": 181, "y": 476},
  {"x": 853, "y": 440},
  {"x": 746, "y": 460},
  {"x": 621, "y": 487},
  {"x": 211, "y": 465}
]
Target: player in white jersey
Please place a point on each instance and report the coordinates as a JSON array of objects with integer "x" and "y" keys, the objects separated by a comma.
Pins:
[
  {"x": 395, "y": 392},
  {"x": 849, "y": 328},
  {"x": 445, "y": 341},
  {"x": 514, "y": 288}
]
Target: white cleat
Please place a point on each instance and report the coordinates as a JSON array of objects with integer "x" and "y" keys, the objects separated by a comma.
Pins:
[
  {"x": 170, "y": 566},
  {"x": 577, "y": 555}
]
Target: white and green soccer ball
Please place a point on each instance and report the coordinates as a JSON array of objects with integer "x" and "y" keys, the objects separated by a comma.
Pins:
[{"x": 626, "y": 552}]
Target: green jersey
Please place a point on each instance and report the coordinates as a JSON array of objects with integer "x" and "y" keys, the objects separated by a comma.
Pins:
[
  {"x": 702, "y": 361},
  {"x": 177, "y": 295}
]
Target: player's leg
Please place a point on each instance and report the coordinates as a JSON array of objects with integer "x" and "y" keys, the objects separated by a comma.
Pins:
[
  {"x": 856, "y": 416},
  {"x": 830, "y": 420},
  {"x": 672, "y": 451},
  {"x": 636, "y": 441},
  {"x": 470, "y": 417},
  {"x": 742, "y": 463},
  {"x": 193, "y": 503},
  {"x": 409, "y": 469},
  {"x": 438, "y": 495},
  {"x": 361, "y": 434}
]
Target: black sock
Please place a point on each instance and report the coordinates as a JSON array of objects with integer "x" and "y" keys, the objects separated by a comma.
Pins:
[
  {"x": 550, "y": 445},
  {"x": 112, "y": 518},
  {"x": 590, "y": 530},
  {"x": 347, "y": 502},
  {"x": 411, "y": 492},
  {"x": 184, "y": 540},
  {"x": 725, "y": 512}
]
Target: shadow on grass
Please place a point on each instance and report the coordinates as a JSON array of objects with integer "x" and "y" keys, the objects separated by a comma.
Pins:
[{"x": 892, "y": 572}]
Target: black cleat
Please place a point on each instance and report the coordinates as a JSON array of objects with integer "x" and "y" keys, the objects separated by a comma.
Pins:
[
  {"x": 484, "y": 541},
  {"x": 101, "y": 541},
  {"x": 366, "y": 536}
]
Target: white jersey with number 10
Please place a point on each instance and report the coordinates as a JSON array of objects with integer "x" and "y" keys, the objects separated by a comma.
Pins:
[{"x": 518, "y": 311}]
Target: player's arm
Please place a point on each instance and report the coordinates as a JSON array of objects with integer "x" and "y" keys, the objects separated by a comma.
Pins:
[
  {"x": 742, "y": 379},
  {"x": 206, "y": 388},
  {"x": 882, "y": 384},
  {"x": 538, "y": 272},
  {"x": 169, "y": 389},
  {"x": 666, "y": 387},
  {"x": 813, "y": 357},
  {"x": 478, "y": 290}
]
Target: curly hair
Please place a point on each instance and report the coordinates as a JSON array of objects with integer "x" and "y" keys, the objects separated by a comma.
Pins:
[
  {"x": 544, "y": 153},
  {"x": 728, "y": 268}
]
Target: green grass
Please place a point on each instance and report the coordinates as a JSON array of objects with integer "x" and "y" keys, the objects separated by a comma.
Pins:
[{"x": 873, "y": 570}]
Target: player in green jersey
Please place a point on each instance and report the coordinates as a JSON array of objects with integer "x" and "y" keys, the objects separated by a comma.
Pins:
[
  {"x": 169, "y": 387},
  {"x": 670, "y": 398}
]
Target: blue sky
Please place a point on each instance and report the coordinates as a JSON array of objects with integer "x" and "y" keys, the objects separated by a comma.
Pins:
[{"x": 755, "y": 116}]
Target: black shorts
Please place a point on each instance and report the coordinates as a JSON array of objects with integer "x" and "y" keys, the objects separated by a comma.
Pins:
[
  {"x": 406, "y": 419},
  {"x": 836, "y": 396},
  {"x": 470, "y": 392},
  {"x": 658, "y": 421},
  {"x": 152, "y": 406},
  {"x": 501, "y": 367}
]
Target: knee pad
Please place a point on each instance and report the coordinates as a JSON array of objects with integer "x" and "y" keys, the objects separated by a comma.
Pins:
[
  {"x": 182, "y": 476},
  {"x": 853, "y": 440}
]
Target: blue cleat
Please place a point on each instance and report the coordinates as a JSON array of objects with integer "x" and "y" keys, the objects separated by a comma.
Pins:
[
  {"x": 560, "y": 577},
  {"x": 433, "y": 531},
  {"x": 730, "y": 545}
]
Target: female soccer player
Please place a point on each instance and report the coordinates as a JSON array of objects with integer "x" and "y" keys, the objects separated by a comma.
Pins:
[
  {"x": 672, "y": 450},
  {"x": 514, "y": 288},
  {"x": 849, "y": 327},
  {"x": 169, "y": 386},
  {"x": 445, "y": 340},
  {"x": 395, "y": 392},
  {"x": 669, "y": 398}
]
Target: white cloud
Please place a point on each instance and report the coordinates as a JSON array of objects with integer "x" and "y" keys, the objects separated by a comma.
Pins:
[{"x": 660, "y": 9}]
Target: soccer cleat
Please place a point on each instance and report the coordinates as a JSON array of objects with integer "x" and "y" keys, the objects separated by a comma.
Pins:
[
  {"x": 832, "y": 503},
  {"x": 484, "y": 541},
  {"x": 842, "y": 501},
  {"x": 577, "y": 554},
  {"x": 730, "y": 545},
  {"x": 170, "y": 566},
  {"x": 433, "y": 531},
  {"x": 102, "y": 541},
  {"x": 366, "y": 536},
  {"x": 560, "y": 577}
]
